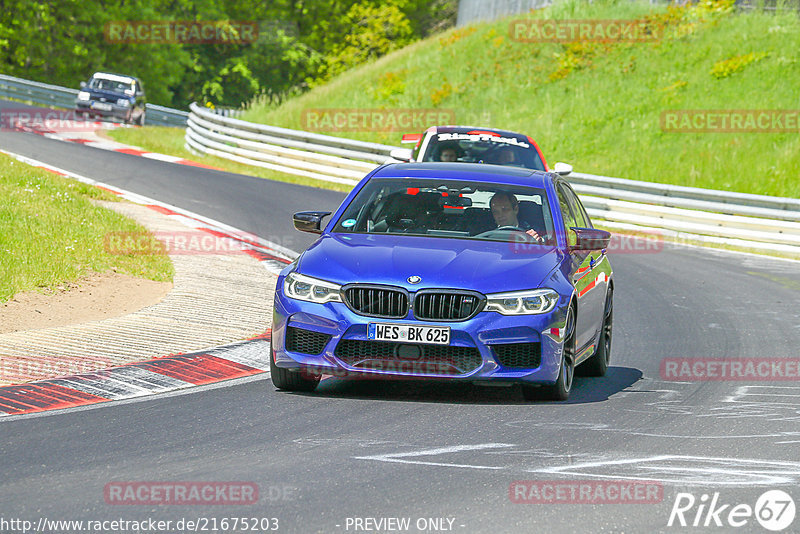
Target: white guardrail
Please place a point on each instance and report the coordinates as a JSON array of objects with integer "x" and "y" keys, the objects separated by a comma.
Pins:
[
  {"x": 64, "y": 97},
  {"x": 322, "y": 157},
  {"x": 755, "y": 222}
]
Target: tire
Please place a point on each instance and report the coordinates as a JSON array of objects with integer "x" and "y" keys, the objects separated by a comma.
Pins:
[
  {"x": 141, "y": 119},
  {"x": 289, "y": 380},
  {"x": 560, "y": 390},
  {"x": 597, "y": 365}
]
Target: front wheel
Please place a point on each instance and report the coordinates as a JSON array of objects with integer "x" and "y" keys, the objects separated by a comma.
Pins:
[
  {"x": 560, "y": 390},
  {"x": 597, "y": 365},
  {"x": 141, "y": 119},
  {"x": 289, "y": 380}
]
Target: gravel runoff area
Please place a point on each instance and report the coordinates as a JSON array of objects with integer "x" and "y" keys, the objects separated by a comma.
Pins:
[{"x": 217, "y": 298}]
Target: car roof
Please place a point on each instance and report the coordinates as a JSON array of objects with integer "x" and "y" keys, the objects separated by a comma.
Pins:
[
  {"x": 467, "y": 129},
  {"x": 478, "y": 172},
  {"x": 115, "y": 77}
]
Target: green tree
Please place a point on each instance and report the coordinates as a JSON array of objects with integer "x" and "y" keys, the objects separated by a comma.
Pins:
[{"x": 63, "y": 42}]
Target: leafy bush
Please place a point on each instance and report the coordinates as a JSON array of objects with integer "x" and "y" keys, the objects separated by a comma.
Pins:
[
  {"x": 374, "y": 31},
  {"x": 726, "y": 67}
]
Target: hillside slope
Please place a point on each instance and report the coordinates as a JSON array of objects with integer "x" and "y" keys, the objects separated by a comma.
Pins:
[{"x": 599, "y": 105}]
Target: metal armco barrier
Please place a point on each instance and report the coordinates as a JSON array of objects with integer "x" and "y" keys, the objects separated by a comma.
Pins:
[
  {"x": 755, "y": 222},
  {"x": 322, "y": 157},
  {"x": 64, "y": 97}
]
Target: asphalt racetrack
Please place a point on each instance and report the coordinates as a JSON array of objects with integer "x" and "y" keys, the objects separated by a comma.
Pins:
[{"x": 366, "y": 456}]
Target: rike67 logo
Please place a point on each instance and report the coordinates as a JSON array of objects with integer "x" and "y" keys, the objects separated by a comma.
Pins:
[{"x": 774, "y": 510}]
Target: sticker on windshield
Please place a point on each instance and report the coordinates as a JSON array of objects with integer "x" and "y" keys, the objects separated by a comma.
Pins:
[{"x": 348, "y": 223}]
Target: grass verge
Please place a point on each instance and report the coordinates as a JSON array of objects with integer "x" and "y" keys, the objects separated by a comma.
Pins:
[{"x": 51, "y": 233}]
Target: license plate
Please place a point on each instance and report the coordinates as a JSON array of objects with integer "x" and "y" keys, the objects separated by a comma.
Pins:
[
  {"x": 409, "y": 333},
  {"x": 101, "y": 105}
]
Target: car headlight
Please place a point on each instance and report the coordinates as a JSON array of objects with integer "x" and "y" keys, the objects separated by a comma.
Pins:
[
  {"x": 124, "y": 102},
  {"x": 300, "y": 287},
  {"x": 528, "y": 302},
  {"x": 83, "y": 95}
]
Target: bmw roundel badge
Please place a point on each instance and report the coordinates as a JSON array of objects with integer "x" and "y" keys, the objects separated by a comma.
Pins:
[{"x": 414, "y": 279}]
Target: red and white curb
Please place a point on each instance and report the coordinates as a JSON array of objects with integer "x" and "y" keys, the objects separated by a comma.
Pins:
[
  {"x": 167, "y": 373},
  {"x": 160, "y": 375}
]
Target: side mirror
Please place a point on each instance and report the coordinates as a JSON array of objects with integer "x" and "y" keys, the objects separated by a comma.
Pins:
[
  {"x": 562, "y": 169},
  {"x": 411, "y": 138},
  {"x": 590, "y": 239},
  {"x": 83, "y": 84},
  {"x": 401, "y": 154},
  {"x": 309, "y": 221}
]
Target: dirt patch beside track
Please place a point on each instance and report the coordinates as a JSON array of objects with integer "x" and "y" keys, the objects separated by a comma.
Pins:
[{"x": 97, "y": 296}]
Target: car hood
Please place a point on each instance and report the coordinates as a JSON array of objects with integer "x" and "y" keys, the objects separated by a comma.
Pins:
[{"x": 484, "y": 266}]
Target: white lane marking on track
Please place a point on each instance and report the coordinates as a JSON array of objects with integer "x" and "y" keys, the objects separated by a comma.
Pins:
[
  {"x": 402, "y": 457},
  {"x": 689, "y": 435},
  {"x": 767, "y": 395},
  {"x": 161, "y": 157},
  {"x": 348, "y": 442},
  {"x": 772, "y": 403},
  {"x": 667, "y": 468},
  {"x": 689, "y": 470}
]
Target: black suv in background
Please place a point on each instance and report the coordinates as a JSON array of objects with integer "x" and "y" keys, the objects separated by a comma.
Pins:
[{"x": 113, "y": 96}]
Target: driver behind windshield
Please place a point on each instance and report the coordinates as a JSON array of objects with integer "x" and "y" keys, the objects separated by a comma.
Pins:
[
  {"x": 505, "y": 210},
  {"x": 449, "y": 152}
]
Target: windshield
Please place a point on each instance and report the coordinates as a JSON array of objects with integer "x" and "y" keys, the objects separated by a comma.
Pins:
[
  {"x": 483, "y": 147},
  {"x": 102, "y": 84},
  {"x": 450, "y": 209}
]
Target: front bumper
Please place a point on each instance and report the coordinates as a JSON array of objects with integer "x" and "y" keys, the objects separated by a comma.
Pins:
[
  {"x": 482, "y": 337},
  {"x": 122, "y": 113}
]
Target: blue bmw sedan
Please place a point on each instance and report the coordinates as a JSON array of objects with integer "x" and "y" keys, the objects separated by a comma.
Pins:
[{"x": 448, "y": 271}]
